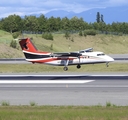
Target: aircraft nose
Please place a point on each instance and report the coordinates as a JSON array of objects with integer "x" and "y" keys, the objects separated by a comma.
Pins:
[{"x": 110, "y": 59}]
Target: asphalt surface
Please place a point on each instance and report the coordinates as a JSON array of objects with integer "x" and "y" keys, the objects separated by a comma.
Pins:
[{"x": 71, "y": 89}]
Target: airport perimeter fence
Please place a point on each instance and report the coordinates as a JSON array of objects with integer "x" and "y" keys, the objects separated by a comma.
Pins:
[
  {"x": 55, "y": 32},
  {"x": 74, "y": 32}
]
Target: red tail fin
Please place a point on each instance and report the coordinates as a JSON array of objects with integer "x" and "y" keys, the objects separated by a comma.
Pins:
[{"x": 27, "y": 45}]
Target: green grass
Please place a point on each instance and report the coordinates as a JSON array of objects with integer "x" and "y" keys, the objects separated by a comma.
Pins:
[
  {"x": 109, "y": 44},
  {"x": 5, "y": 50},
  {"x": 5, "y": 37},
  {"x": 40, "y": 68},
  {"x": 63, "y": 113}
]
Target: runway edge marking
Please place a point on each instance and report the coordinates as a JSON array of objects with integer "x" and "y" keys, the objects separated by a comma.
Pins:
[
  {"x": 45, "y": 81},
  {"x": 58, "y": 75}
]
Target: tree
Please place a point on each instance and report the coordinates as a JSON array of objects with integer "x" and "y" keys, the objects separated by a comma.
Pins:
[
  {"x": 15, "y": 34},
  {"x": 47, "y": 36},
  {"x": 102, "y": 18},
  {"x": 58, "y": 23},
  {"x": 80, "y": 33},
  {"x": 52, "y": 24},
  {"x": 96, "y": 26},
  {"x": 98, "y": 17},
  {"x": 65, "y": 24},
  {"x": 12, "y": 23},
  {"x": 31, "y": 23},
  {"x": 67, "y": 35},
  {"x": 13, "y": 44},
  {"x": 42, "y": 21},
  {"x": 90, "y": 32},
  {"x": 76, "y": 23}
]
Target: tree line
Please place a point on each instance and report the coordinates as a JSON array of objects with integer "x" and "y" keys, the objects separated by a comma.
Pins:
[{"x": 15, "y": 23}]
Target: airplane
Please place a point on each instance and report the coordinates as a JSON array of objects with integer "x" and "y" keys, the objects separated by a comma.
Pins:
[{"x": 77, "y": 58}]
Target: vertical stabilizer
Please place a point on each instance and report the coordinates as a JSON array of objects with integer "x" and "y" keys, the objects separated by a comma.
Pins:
[{"x": 27, "y": 45}]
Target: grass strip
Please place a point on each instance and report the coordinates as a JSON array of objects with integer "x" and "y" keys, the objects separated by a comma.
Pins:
[{"x": 63, "y": 113}]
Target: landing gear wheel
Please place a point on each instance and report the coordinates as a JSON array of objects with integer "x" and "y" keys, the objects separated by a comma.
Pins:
[
  {"x": 65, "y": 68},
  {"x": 78, "y": 66},
  {"x": 107, "y": 64}
]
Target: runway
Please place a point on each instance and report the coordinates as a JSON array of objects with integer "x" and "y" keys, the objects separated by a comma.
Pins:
[{"x": 82, "y": 89}]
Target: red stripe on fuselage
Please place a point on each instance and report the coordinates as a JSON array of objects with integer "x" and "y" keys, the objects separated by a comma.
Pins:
[{"x": 49, "y": 59}]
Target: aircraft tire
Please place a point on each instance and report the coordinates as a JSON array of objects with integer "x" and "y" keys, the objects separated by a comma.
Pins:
[
  {"x": 78, "y": 66},
  {"x": 65, "y": 68}
]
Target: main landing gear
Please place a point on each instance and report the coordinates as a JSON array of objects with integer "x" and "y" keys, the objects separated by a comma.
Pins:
[
  {"x": 66, "y": 68},
  {"x": 66, "y": 64},
  {"x": 78, "y": 66}
]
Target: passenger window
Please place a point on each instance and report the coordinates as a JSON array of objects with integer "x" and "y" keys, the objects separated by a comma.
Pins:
[{"x": 101, "y": 54}]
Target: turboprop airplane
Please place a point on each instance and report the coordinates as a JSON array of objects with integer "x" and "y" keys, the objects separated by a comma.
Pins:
[{"x": 77, "y": 58}]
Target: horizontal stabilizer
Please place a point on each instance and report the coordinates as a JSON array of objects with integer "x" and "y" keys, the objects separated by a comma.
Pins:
[{"x": 86, "y": 50}]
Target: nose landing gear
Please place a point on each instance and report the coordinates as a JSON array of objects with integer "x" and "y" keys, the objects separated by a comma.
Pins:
[
  {"x": 78, "y": 66},
  {"x": 107, "y": 65}
]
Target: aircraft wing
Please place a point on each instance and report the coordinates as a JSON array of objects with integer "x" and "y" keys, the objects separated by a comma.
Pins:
[
  {"x": 72, "y": 54},
  {"x": 68, "y": 54}
]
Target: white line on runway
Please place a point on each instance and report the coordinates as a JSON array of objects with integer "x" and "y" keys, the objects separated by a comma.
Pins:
[
  {"x": 44, "y": 81},
  {"x": 39, "y": 75},
  {"x": 109, "y": 75},
  {"x": 56, "y": 75}
]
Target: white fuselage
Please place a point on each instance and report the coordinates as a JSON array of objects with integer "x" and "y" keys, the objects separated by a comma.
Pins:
[{"x": 85, "y": 58}]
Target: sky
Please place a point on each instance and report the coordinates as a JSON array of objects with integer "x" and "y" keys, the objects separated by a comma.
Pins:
[{"x": 28, "y": 7}]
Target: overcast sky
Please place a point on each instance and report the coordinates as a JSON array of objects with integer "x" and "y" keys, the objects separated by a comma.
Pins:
[{"x": 27, "y": 7}]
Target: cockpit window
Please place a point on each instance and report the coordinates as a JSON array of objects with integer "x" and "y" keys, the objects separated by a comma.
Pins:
[{"x": 101, "y": 54}]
